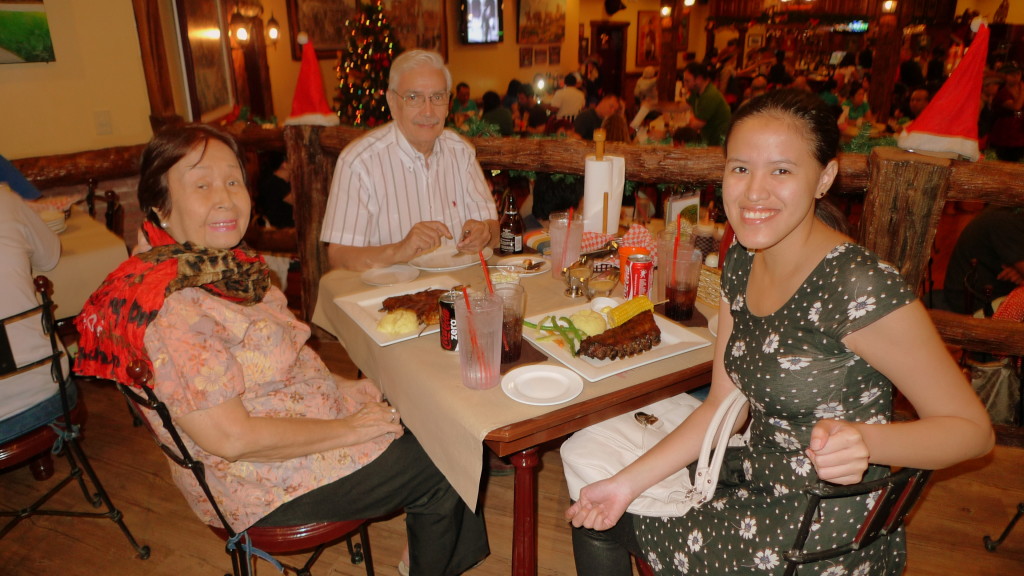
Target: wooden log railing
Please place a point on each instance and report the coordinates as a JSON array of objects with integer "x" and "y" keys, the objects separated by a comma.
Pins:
[{"x": 904, "y": 195}]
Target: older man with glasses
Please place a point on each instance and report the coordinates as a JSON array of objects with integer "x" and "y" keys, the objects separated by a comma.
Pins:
[{"x": 409, "y": 186}]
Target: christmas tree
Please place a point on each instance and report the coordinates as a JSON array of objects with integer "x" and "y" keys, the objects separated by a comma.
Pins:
[{"x": 364, "y": 66}]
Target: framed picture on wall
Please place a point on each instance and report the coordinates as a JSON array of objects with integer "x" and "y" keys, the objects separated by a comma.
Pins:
[
  {"x": 648, "y": 38},
  {"x": 526, "y": 57},
  {"x": 323, "y": 21},
  {"x": 584, "y": 49},
  {"x": 541, "y": 22},
  {"x": 540, "y": 56},
  {"x": 754, "y": 41},
  {"x": 554, "y": 55},
  {"x": 25, "y": 31},
  {"x": 207, "y": 59},
  {"x": 419, "y": 24}
]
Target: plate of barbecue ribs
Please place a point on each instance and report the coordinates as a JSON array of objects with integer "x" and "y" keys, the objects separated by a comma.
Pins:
[
  {"x": 643, "y": 339},
  {"x": 419, "y": 297}
]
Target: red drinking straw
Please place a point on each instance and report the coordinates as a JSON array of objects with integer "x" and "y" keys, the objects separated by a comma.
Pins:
[
  {"x": 472, "y": 333},
  {"x": 675, "y": 249},
  {"x": 487, "y": 274}
]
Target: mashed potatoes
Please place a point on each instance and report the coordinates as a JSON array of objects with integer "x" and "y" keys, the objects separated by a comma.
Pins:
[
  {"x": 398, "y": 322},
  {"x": 589, "y": 321}
]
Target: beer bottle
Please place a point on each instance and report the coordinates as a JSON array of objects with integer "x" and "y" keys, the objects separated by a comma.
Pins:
[{"x": 511, "y": 227}]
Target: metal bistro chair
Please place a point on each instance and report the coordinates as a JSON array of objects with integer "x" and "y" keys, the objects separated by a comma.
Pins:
[
  {"x": 897, "y": 494},
  {"x": 263, "y": 542},
  {"x": 61, "y": 436}
]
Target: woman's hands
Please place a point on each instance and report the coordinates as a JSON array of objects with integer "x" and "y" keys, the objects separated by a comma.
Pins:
[
  {"x": 838, "y": 452},
  {"x": 373, "y": 420},
  {"x": 600, "y": 506}
]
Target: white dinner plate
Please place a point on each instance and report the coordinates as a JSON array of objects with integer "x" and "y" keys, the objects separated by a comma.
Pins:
[
  {"x": 542, "y": 384},
  {"x": 447, "y": 258},
  {"x": 390, "y": 275},
  {"x": 713, "y": 325},
  {"x": 675, "y": 339},
  {"x": 364, "y": 308},
  {"x": 517, "y": 263}
]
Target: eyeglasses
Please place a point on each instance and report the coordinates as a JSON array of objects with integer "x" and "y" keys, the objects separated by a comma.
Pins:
[{"x": 417, "y": 100}]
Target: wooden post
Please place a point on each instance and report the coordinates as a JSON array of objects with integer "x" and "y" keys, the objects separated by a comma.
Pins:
[
  {"x": 310, "y": 173},
  {"x": 906, "y": 194}
]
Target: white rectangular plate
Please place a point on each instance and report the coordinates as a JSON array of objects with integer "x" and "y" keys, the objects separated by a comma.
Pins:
[
  {"x": 364, "y": 307},
  {"x": 675, "y": 339}
]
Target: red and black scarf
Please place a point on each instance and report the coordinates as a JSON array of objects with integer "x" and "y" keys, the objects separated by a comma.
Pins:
[{"x": 112, "y": 324}]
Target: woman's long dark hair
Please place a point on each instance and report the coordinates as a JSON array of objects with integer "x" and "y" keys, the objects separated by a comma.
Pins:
[{"x": 815, "y": 117}]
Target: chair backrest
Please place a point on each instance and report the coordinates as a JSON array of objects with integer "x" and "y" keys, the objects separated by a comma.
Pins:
[
  {"x": 8, "y": 364},
  {"x": 142, "y": 399},
  {"x": 897, "y": 494},
  {"x": 114, "y": 213}
]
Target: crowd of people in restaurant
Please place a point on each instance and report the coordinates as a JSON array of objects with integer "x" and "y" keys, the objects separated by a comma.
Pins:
[{"x": 260, "y": 408}]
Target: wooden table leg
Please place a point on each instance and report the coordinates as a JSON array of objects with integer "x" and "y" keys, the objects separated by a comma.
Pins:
[{"x": 524, "y": 515}]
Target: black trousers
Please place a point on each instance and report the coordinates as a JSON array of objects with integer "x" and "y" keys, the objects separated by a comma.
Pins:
[
  {"x": 606, "y": 552},
  {"x": 445, "y": 537}
]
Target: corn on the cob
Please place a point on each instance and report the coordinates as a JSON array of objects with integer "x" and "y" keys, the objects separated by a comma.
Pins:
[{"x": 623, "y": 312}]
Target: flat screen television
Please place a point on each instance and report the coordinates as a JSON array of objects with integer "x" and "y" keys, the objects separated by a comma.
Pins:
[{"x": 481, "y": 21}]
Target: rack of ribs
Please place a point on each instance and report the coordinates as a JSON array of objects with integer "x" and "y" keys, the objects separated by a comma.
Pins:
[
  {"x": 423, "y": 304},
  {"x": 635, "y": 336}
]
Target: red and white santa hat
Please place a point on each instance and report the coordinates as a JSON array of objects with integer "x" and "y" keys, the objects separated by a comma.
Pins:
[
  {"x": 949, "y": 124},
  {"x": 309, "y": 106}
]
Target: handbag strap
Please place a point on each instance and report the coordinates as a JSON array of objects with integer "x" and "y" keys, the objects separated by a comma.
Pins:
[{"x": 709, "y": 463}]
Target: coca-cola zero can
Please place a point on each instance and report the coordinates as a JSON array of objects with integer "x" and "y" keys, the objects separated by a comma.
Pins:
[
  {"x": 637, "y": 281},
  {"x": 446, "y": 316}
]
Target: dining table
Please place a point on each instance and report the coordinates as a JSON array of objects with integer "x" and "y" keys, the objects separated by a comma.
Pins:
[
  {"x": 88, "y": 252},
  {"x": 454, "y": 423}
]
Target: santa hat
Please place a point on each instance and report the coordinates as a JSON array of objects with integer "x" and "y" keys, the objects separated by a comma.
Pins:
[
  {"x": 949, "y": 124},
  {"x": 309, "y": 106}
]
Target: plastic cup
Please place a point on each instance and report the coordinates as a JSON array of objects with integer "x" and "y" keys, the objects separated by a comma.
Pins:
[
  {"x": 682, "y": 281},
  {"x": 513, "y": 298},
  {"x": 565, "y": 244},
  {"x": 666, "y": 246},
  {"x": 480, "y": 340}
]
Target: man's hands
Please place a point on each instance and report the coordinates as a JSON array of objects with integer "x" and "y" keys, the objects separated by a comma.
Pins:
[
  {"x": 476, "y": 236},
  {"x": 423, "y": 237},
  {"x": 1012, "y": 274}
]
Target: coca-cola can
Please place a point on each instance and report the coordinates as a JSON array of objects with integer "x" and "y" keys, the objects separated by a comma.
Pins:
[
  {"x": 638, "y": 279},
  {"x": 449, "y": 331}
]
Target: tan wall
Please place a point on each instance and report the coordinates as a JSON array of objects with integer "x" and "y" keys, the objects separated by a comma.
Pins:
[{"x": 52, "y": 108}]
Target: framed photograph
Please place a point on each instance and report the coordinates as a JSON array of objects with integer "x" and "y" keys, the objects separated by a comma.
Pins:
[
  {"x": 207, "y": 59},
  {"x": 540, "y": 56},
  {"x": 526, "y": 57},
  {"x": 24, "y": 33},
  {"x": 323, "y": 21},
  {"x": 418, "y": 24},
  {"x": 755, "y": 41},
  {"x": 541, "y": 22},
  {"x": 554, "y": 55},
  {"x": 648, "y": 38}
]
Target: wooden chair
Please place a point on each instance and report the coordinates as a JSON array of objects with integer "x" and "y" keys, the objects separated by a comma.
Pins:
[
  {"x": 61, "y": 436},
  {"x": 263, "y": 542}
]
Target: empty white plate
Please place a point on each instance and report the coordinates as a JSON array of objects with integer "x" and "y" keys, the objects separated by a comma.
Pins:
[
  {"x": 542, "y": 384},
  {"x": 390, "y": 275}
]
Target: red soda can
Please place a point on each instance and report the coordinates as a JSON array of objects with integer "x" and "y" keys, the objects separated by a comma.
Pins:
[
  {"x": 638, "y": 279},
  {"x": 449, "y": 331}
]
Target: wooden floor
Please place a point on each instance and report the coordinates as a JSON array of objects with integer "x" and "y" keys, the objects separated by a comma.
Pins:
[{"x": 945, "y": 533}]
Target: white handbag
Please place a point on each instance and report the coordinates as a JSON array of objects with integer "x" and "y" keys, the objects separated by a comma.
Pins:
[{"x": 599, "y": 451}]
